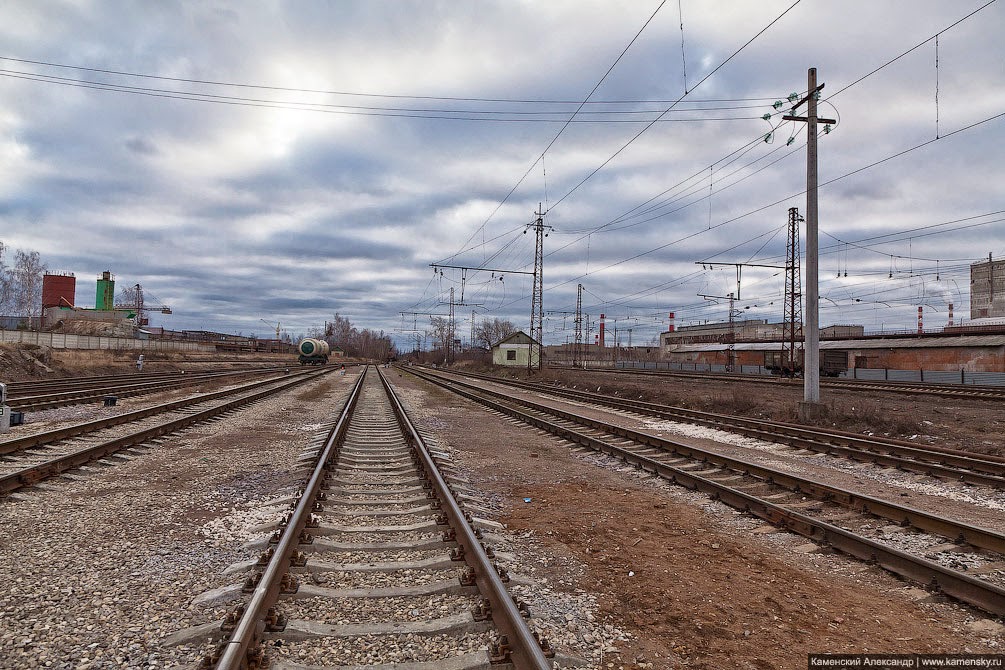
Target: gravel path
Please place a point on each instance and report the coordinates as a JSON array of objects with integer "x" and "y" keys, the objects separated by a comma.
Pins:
[{"x": 100, "y": 568}]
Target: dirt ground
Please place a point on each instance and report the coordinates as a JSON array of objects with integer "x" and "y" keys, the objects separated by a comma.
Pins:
[
  {"x": 26, "y": 362},
  {"x": 697, "y": 584},
  {"x": 975, "y": 425}
]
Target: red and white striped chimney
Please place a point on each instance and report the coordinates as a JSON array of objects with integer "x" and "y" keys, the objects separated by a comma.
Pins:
[
  {"x": 921, "y": 324},
  {"x": 950, "y": 314},
  {"x": 601, "y": 330},
  {"x": 672, "y": 320}
]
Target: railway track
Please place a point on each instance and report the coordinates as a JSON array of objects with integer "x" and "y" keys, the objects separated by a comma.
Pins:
[
  {"x": 27, "y": 460},
  {"x": 942, "y": 462},
  {"x": 377, "y": 562},
  {"x": 911, "y": 543},
  {"x": 36, "y": 396},
  {"x": 914, "y": 388}
]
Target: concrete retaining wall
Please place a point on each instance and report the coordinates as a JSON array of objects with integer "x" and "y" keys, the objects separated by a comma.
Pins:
[{"x": 68, "y": 341}]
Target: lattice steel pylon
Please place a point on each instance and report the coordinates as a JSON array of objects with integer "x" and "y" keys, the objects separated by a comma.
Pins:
[
  {"x": 793, "y": 322},
  {"x": 534, "y": 359},
  {"x": 577, "y": 352}
]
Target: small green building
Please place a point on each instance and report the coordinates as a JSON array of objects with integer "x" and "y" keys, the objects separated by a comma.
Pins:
[{"x": 514, "y": 350}]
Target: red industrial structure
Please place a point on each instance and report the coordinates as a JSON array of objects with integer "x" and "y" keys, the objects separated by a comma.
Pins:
[{"x": 58, "y": 290}]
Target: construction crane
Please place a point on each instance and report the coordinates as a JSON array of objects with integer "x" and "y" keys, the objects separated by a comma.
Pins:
[
  {"x": 142, "y": 306},
  {"x": 278, "y": 325}
]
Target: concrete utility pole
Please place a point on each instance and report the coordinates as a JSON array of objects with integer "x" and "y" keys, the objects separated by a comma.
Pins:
[
  {"x": 811, "y": 346},
  {"x": 449, "y": 353}
]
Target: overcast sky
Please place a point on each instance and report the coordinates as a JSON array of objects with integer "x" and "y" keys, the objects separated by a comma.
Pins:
[{"x": 284, "y": 161}]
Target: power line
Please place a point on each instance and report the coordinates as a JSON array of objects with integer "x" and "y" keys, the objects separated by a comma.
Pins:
[
  {"x": 475, "y": 115},
  {"x": 564, "y": 127},
  {"x": 287, "y": 89}
]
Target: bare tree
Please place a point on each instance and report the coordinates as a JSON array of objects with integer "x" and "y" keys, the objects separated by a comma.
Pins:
[
  {"x": 5, "y": 284},
  {"x": 442, "y": 333},
  {"x": 26, "y": 283},
  {"x": 489, "y": 332}
]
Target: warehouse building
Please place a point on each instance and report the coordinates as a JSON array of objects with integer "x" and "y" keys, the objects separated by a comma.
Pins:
[
  {"x": 937, "y": 353},
  {"x": 987, "y": 289}
]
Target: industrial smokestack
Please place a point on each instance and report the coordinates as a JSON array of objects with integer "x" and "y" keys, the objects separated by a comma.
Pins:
[
  {"x": 601, "y": 330},
  {"x": 951, "y": 314},
  {"x": 672, "y": 321},
  {"x": 921, "y": 325}
]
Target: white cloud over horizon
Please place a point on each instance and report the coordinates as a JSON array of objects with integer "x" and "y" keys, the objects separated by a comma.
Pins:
[{"x": 273, "y": 203}]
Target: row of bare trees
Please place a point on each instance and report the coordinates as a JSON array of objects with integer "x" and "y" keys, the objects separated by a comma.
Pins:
[
  {"x": 21, "y": 283},
  {"x": 359, "y": 343},
  {"x": 487, "y": 333}
]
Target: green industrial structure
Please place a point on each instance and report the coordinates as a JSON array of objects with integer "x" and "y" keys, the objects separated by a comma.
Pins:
[{"x": 104, "y": 298}]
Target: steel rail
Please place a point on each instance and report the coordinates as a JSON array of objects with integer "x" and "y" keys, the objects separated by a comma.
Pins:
[
  {"x": 85, "y": 395},
  {"x": 35, "y": 439},
  {"x": 953, "y": 583},
  {"x": 987, "y": 470},
  {"x": 32, "y": 475},
  {"x": 526, "y": 650},
  {"x": 954, "y": 530},
  {"x": 249, "y": 628},
  {"x": 917, "y": 388},
  {"x": 33, "y": 385}
]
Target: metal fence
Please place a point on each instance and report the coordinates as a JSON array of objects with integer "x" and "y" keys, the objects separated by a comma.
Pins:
[
  {"x": 884, "y": 374},
  {"x": 69, "y": 341}
]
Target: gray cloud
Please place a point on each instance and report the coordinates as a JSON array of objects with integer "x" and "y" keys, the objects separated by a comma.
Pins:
[{"x": 234, "y": 213}]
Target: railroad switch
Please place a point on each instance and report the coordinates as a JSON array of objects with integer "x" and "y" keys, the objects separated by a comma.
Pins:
[
  {"x": 499, "y": 650},
  {"x": 265, "y": 557},
  {"x": 274, "y": 621},
  {"x": 467, "y": 577},
  {"x": 482, "y": 611},
  {"x": 457, "y": 554},
  {"x": 231, "y": 620},
  {"x": 288, "y": 584},
  {"x": 298, "y": 559},
  {"x": 546, "y": 648},
  {"x": 252, "y": 582}
]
